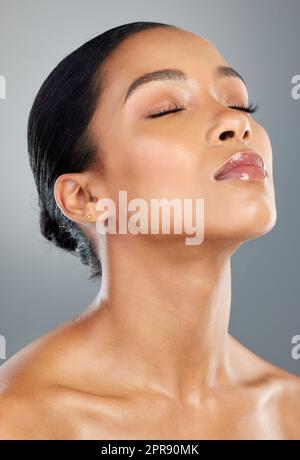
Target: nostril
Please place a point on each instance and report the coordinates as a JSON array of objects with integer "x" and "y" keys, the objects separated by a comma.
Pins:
[
  {"x": 226, "y": 134},
  {"x": 247, "y": 134}
]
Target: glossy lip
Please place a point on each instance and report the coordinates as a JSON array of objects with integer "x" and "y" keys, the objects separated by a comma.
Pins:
[{"x": 242, "y": 158}]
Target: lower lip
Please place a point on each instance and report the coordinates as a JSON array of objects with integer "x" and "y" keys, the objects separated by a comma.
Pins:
[{"x": 245, "y": 173}]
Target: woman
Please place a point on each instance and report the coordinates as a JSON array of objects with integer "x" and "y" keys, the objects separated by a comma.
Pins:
[{"x": 156, "y": 111}]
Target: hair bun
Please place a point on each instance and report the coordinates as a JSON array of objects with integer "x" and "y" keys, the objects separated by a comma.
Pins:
[
  {"x": 51, "y": 230},
  {"x": 49, "y": 227}
]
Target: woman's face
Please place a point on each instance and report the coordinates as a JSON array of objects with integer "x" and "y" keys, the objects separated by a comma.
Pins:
[{"x": 177, "y": 155}]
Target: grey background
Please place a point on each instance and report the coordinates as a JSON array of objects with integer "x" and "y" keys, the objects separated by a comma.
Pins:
[{"x": 41, "y": 285}]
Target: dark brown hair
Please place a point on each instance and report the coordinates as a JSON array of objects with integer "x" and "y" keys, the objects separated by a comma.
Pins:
[{"x": 57, "y": 136}]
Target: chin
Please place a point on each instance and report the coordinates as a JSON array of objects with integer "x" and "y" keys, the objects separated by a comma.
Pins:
[
  {"x": 255, "y": 221},
  {"x": 251, "y": 221}
]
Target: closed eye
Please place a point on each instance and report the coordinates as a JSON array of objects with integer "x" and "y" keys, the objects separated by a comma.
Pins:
[
  {"x": 250, "y": 108},
  {"x": 174, "y": 108}
]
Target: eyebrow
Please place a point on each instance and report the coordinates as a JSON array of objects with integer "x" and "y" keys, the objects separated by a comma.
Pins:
[{"x": 175, "y": 74}]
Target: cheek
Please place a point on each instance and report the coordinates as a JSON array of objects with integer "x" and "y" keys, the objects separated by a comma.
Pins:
[
  {"x": 159, "y": 156},
  {"x": 158, "y": 167},
  {"x": 262, "y": 143}
]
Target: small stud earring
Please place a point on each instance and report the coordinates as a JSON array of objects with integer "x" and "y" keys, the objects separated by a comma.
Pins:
[{"x": 89, "y": 216}]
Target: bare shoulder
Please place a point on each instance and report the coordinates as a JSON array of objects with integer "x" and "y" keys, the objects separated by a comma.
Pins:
[
  {"x": 44, "y": 414},
  {"x": 289, "y": 404},
  {"x": 34, "y": 362},
  {"x": 278, "y": 388},
  {"x": 32, "y": 397},
  {"x": 18, "y": 417}
]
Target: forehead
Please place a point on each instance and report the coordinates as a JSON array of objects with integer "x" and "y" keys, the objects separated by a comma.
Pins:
[
  {"x": 158, "y": 48},
  {"x": 149, "y": 46}
]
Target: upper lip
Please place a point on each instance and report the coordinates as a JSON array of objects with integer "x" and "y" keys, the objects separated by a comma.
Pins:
[{"x": 241, "y": 158}]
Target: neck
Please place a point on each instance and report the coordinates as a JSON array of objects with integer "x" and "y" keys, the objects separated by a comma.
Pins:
[{"x": 168, "y": 310}]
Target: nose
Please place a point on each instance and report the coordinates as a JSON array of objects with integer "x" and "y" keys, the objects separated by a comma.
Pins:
[{"x": 230, "y": 123}]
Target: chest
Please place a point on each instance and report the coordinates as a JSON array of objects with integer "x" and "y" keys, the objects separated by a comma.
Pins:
[{"x": 156, "y": 421}]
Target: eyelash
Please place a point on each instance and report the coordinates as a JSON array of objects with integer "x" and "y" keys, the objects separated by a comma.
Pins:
[{"x": 250, "y": 108}]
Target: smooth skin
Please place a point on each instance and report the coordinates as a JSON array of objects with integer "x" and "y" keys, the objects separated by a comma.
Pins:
[{"x": 151, "y": 356}]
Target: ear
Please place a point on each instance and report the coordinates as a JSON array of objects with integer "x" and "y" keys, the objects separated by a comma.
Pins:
[{"x": 73, "y": 195}]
